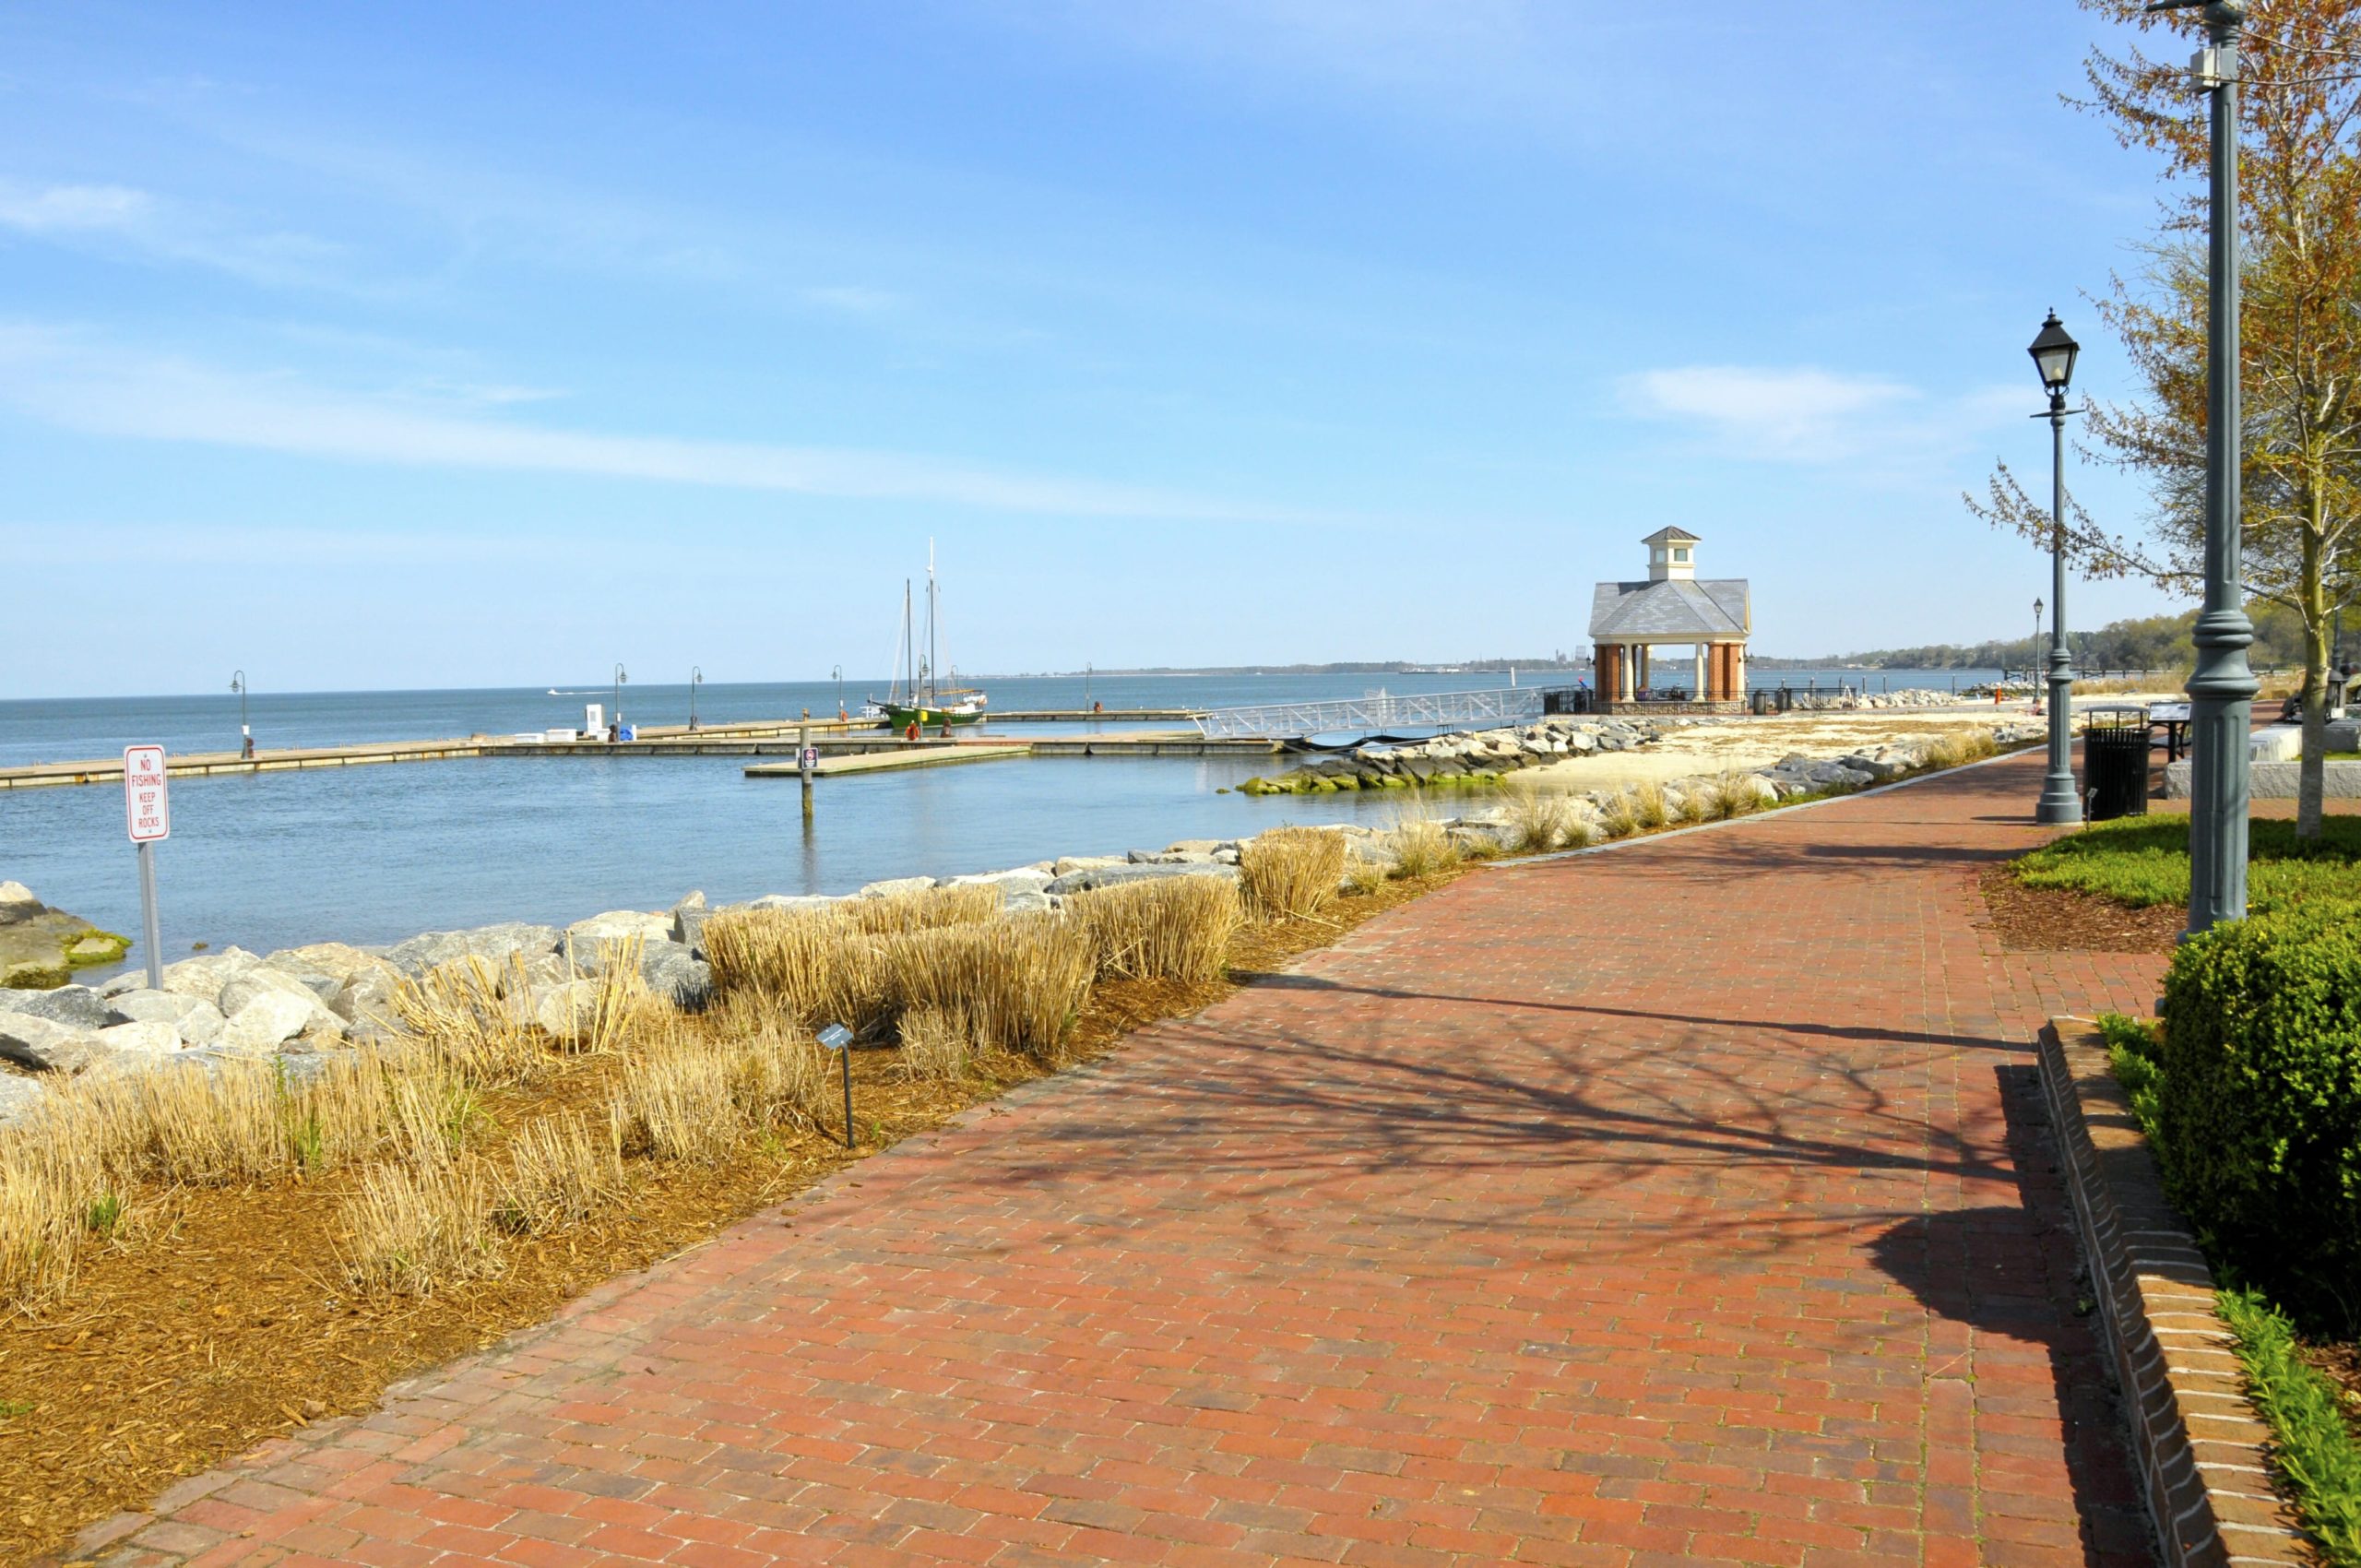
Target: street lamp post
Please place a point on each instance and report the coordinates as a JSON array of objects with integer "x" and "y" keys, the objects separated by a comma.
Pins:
[
  {"x": 618, "y": 720},
  {"x": 246, "y": 731},
  {"x": 2033, "y": 654},
  {"x": 2053, "y": 355},
  {"x": 2222, "y": 688},
  {"x": 696, "y": 679},
  {"x": 837, "y": 673}
]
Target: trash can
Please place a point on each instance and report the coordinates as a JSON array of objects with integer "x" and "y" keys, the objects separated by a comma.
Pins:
[
  {"x": 1786, "y": 700},
  {"x": 1759, "y": 701},
  {"x": 2115, "y": 764}
]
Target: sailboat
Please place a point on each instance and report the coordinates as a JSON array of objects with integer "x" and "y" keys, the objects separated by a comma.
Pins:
[{"x": 918, "y": 696}]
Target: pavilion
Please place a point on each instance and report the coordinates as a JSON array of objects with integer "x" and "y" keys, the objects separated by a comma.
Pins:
[{"x": 1710, "y": 617}]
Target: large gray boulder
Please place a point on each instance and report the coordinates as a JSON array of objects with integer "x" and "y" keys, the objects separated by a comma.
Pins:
[
  {"x": 367, "y": 995},
  {"x": 18, "y": 904},
  {"x": 76, "y": 1007},
  {"x": 584, "y": 940},
  {"x": 150, "y": 1037},
  {"x": 565, "y": 1011},
  {"x": 254, "y": 982},
  {"x": 204, "y": 977},
  {"x": 323, "y": 967},
  {"x": 2344, "y": 735},
  {"x": 268, "y": 1020},
  {"x": 21, "y": 1098},
  {"x": 1119, "y": 873},
  {"x": 492, "y": 943},
  {"x": 46, "y": 1046},
  {"x": 675, "y": 973},
  {"x": 895, "y": 887},
  {"x": 688, "y": 919},
  {"x": 195, "y": 1020}
]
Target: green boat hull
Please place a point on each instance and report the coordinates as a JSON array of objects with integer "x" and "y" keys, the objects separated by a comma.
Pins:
[{"x": 899, "y": 716}]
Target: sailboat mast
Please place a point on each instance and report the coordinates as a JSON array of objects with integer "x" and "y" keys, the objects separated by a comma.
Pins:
[
  {"x": 934, "y": 654},
  {"x": 908, "y": 654}
]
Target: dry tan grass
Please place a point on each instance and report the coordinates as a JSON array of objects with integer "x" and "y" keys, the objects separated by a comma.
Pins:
[
  {"x": 1539, "y": 818},
  {"x": 557, "y": 1172},
  {"x": 473, "y": 1015},
  {"x": 928, "y": 908},
  {"x": 1734, "y": 794},
  {"x": 1168, "y": 928},
  {"x": 1369, "y": 868},
  {"x": 412, "y": 1230},
  {"x": 1291, "y": 873},
  {"x": 1420, "y": 844},
  {"x": 1617, "y": 816},
  {"x": 678, "y": 1100},
  {"x": 1697, "y": 803},
  {"x": 816, "y": 965},
  {"x": 1649, "y": 808},
  {"x": 934, "y": 1048},
  {"x": 1016, "y": 984}
]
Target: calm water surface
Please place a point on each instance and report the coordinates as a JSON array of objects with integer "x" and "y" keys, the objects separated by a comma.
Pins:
[{"x": 378, "y": 853}]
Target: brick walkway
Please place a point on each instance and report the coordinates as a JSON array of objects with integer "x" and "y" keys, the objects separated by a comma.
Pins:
[{"x": 1685, "y": 1203}]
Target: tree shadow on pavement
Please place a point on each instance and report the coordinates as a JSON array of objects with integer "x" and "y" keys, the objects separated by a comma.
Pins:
[{"x": 2013, "y": 1274}]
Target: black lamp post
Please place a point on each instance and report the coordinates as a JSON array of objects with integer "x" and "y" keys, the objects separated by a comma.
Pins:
[
  {"x": 696, "y": 679},
  {"x": 2053, "y": 352},
  {"x": 2033, "y": 653},
  {"x": 245, "y": 733}
]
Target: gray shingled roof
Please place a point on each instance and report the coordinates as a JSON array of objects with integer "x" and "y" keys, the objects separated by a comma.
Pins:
[{"x": 1671, "y": 610}]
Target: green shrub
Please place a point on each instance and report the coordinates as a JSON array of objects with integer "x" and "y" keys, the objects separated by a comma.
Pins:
[
  {"x": 2131, "y": 1050},
  {"x": 2259, "y": 1103}
]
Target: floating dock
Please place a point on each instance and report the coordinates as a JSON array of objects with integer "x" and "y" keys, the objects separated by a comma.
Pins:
[{"x": 924, "y": 754}]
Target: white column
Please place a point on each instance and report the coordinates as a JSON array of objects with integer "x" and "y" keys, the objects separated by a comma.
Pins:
[
  {"x": 1738, "y": 665},
  {"x": 1699, "y": 687}
]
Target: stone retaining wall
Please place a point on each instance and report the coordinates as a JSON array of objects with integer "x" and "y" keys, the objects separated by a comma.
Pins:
[
  {"x": 2275, "y": 780},
  {"x": 2195, "y": 1437}
]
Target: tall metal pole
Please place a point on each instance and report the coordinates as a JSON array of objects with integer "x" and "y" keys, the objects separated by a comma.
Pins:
[
  {"x": 151, "y": 931},
  {"x": 696, "y": 679},
  {"x": 2222, "y": 687},
  {"x": 2059, "y": 802}
]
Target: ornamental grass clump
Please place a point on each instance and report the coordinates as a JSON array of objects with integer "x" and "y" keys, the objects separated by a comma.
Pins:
[
  {"x": 1420, "y": 843},
  {"x": 816, "y": 965},
  {"x": 1618, "y": 816},
  {"x": 1539, "y": 818},
  {"x": 1292, "y": 873},
  {"x": 558, "y": 1171},
  {"x": 1734, "y": 794},
  {"x": 473, "y": 1015},
  {"x": 1649, "y": 808},
  {"x": 1176, "y": 928},
  {"x": 1017, "y": 984},
  {"x": 412, "y": 1230},
  {"x": 935, "y": 1049}
]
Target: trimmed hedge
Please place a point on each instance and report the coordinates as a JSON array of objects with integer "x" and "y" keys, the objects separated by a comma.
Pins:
[{"x": 2258, "y": 1101}]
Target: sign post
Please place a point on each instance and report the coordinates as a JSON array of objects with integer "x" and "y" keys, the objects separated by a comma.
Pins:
[
  {"x": 839, "y": 1039},
  {"x": 148, "y": 813},
  {"x": 807, "y": 761}
]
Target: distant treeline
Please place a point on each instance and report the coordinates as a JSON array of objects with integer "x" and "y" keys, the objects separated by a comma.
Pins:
[
  {"x": 2153, "y": 642},
  {"x": 1350, "y": 666}
]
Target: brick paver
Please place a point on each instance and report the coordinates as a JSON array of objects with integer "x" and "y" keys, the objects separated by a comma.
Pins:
[{"x": 1685, "y": 1203}]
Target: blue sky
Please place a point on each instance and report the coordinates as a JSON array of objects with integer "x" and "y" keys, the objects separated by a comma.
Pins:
[{"x": 439, "y": 345}]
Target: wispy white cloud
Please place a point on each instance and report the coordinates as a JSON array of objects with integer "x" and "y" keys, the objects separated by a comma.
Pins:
[
  {"x": 1811, "y": 416},
  {"x": 142, "y": 223},
  {"x": 179, "y": 544},
  {"x": 63, "y": 379}
]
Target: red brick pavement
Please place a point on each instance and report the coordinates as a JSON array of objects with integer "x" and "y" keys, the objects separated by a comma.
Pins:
[{"x": 1689, "y": 1202}]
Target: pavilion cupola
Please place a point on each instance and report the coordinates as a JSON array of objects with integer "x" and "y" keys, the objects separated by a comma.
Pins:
[{"x": 1672, "y": 556}]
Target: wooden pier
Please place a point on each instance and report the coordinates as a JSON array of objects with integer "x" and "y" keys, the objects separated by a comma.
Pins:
[{"x": 762, "y": 738}]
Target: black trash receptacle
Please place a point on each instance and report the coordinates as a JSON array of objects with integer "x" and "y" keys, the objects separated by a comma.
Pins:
[
  {"x": 2115, "y": 766},
  {"x": 1760, "y": 700}
]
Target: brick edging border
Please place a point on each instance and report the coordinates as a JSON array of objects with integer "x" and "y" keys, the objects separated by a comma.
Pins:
[{"x": 2197, "y": 1443}]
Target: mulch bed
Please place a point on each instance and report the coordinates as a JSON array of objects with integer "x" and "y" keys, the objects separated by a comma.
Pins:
[
  {"x": 224, "y": 1320},
  {"x": 2061, "y": 919}
]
